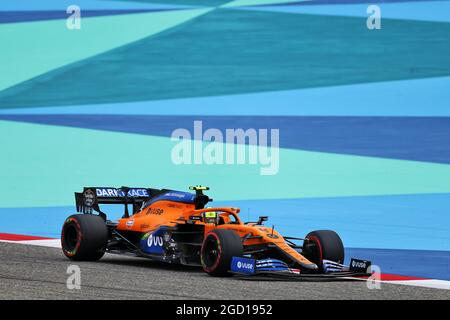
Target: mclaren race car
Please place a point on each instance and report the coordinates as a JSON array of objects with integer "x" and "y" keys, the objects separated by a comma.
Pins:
[{"x": 177, "y": 227}]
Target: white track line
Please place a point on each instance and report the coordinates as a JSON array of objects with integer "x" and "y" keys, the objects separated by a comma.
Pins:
[
  {"x": 51, "y": 243},
  {"x": 428, "y": 283}
]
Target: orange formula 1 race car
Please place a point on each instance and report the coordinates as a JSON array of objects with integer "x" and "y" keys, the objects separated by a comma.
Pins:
[{"x": 176, "y": 227}]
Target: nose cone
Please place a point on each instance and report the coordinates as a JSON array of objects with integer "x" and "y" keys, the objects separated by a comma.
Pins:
[{"x": 311, "y": 266}]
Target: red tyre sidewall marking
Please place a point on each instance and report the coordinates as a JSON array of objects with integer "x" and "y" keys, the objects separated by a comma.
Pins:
[
  {"x": 79, "y": 236},
  {"x": 316, "y": 240},
  {"x": 219, "y": 248}
]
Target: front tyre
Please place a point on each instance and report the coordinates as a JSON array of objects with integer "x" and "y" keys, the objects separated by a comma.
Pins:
[
  {"x": 218, "y": 248},
  {"x": 323, "y": 245},
  {"x": 84, "y": 237}
]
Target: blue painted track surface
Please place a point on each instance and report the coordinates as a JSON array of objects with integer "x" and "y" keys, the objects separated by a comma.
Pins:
[
  {"x": 438, "y": 11},
  {"x": 390, "y": 98},
  {"x": 419, "y": 263}
]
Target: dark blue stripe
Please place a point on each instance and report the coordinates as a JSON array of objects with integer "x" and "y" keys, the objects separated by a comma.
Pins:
[
  {"x": 22, "y": 16},
  {"x": 408, "y": 138}
]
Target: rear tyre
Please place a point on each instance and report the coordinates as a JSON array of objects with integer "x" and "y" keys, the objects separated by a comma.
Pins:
[
  {"x": 218, "y": 248},
  {"x": 323, "y": 245},
  {"x": 84, "y": 237}
]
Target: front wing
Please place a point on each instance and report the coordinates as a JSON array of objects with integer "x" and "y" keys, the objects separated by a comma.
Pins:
[{"x": 252, "y": 269}]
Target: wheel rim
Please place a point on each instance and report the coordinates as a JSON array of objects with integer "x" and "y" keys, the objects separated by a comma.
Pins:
[
  {"x": 314, "y": 251},
  {"x": 211, "y": 251},
  {"x": 70, "y": 237}
]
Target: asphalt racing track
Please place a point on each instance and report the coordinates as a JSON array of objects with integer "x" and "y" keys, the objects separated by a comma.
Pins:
[{"x": 33, "y": 272}]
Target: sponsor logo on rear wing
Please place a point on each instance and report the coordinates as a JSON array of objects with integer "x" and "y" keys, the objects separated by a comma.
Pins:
[
  {"x": 89, "y": 200},
  {"x": 117, "y": 193}
]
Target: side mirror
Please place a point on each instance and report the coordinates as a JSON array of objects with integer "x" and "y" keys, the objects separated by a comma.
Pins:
[{"x": 261, "y": 219}]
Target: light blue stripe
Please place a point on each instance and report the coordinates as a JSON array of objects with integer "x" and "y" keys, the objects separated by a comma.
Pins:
[
  {"x": 418, "y": 97},
  {"x": 436, "y": 11},
  {"x": 419, "y": 222},
  {"x": 41, "y": 5},
  {"x": 417, "y": 263}
]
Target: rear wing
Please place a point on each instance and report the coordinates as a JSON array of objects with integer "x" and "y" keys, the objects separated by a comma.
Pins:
[{"x": 89, "y": 200}]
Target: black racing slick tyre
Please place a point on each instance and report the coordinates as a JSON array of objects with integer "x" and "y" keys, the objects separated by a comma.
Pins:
[
  {"x": 323, "y": 245},
  {"x": 84, "y": 237},
  {"x": 218, "y": 248}
]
